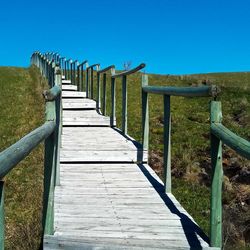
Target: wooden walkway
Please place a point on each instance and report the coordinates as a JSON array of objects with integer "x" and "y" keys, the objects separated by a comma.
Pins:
[{"x": 107, "y": 197}]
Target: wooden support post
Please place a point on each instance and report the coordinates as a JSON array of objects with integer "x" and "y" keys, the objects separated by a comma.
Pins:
[
  {"x": 217, "y": 180},
  {"x": 81, "y": 83},
  {"x": 78, "y": 77},
  {"x": 2, "y": 227},
  {"x": 104, "y": 94},
  {"x": 87, "y": 83},
  {"x": 124, "y": 105},
  {"x": 91, "y": 83},
  {"x": 113, "y": 101},
  {"x": 71, "y": 70},
  {"x": 58, "y": 131},
  {"x": 167, "y": 144},
  {"x": 98, "y": 101},
  {"x": 145, "y": 116},
  {"x": 49, "y": 174}
]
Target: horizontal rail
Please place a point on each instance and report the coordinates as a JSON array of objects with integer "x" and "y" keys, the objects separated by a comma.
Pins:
[
  {"x": 11, "y": 156},
  {"x": 183, "y": 91},
  {"x": 106, "y": 69},
  {"x": 128, "y": 72},
  {"x": 84, "y": 62},
  {"x": 93, "y": 65},
  {"x": 51, "y": 94},
  {"x": 240, "y": 145}
]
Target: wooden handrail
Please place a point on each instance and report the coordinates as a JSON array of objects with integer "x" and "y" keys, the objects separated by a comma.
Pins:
[
  {"x": 93, "y": 65},
  {"x": 52, "y": 94},
  {"x": 237, "y": 143},
  {"x": 11, "y": 156},
  {"x": 183, "y": 91},
  {"x": 106, "y": 69},
  {"x": 129, "y": 72}
]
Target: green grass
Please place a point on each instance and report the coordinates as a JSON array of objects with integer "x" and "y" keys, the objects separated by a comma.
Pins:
[
  {"x": 190, "y": 131},
  {"x": 22, "y": 109}
]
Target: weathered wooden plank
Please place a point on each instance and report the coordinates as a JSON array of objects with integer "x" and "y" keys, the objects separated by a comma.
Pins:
[
  {"x": 73, "y": 94},
  {"x": 102, "y": 156},
  {"x": 69, "y": 87},
  {"x": 113, "y": 243},
  {"x": 64, "y": 81},
  {"x": 78, "y": 103}
]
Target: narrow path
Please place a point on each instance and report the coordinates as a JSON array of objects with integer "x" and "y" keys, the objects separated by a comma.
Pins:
[{"x": 107, "y": 197}]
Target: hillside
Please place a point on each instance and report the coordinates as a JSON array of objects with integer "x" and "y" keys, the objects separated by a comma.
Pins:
[
  {"x": 22, "y": 110},
  {"x": 191, "y": 145}
]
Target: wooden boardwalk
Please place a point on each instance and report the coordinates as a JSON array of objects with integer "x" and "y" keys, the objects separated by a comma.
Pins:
[{"x": 108, "y": 197}]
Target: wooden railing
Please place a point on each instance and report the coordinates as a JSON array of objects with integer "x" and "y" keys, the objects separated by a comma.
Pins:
[
  {"x": 124, "y": 96},
  {"x": 49, "y": 65},
  {"x": 219, "y": 135},
  {"x": 48, "y": 132}
]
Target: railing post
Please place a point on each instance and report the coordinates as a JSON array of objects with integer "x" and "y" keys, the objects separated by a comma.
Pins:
[
  {"x": 104, "y": 94},
  {"x": 217, "y": 179},
  {"x": 124, "y": 105},
  {"x": 113, "y": 101},
  {"x": 87, "y": 82},
  {"x": 71, "y": 70},
  {"x": 167, "y": 145},
  {"x": 81, "y": 82},
  {"x": 145, "y": 116},
  {"x": 78, "y": 77},
  {"x": 2, "y": 215},
  {"x": 91, "y": 83},
  {"x": 58, "y": 132},
  {"x": 49, "y": 174},
  {"x": 98, "y": 101}
]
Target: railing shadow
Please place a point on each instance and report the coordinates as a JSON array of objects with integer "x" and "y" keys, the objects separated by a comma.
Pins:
[{"x": 190, "y": 229}]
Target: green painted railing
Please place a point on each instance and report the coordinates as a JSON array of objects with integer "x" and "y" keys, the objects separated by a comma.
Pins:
[
  {"x": 123, "y": 75},
  {"x": 103, "y": 82},
  {"x": 51, "y": 130},
  {"x": 80, "y": 76},
  {"x": 220, "y": 135},
  {"x": 50, "y": 133},
  {"x": 90, "y": 80}
]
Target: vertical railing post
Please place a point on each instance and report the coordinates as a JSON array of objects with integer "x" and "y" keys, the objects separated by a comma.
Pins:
[
  {"x": 145, "y": 116},
  {"x": 58, "y": 132},
  {"x": 98, "y": 101},
  {"x": 49, "y": 174},
  {"x": 113, "y": 101},
  {"x": 81, "y": 82},
  {"x": 87, "y": 82},
  {"x": 104, "y": 94},
  {"x": 78, "y": 77},
  {"x": 91, "y": 82},
  {"x": 71, "y": 70},
  {"x": 2, "y": 227},
  {"x": 217, "y": 180},
  {"x": 124, "y": 105},
  {"x": 167, "y": 145},
  {"x": 64, "y": 70}
]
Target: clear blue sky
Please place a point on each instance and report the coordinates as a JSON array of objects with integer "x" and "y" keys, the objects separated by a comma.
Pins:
[{"x": 170, "y": 36}]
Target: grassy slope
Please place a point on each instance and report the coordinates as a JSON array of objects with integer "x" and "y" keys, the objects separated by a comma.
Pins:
[
  {"x": 190, "y": 133},
  {"x": 22, "y": 110}
]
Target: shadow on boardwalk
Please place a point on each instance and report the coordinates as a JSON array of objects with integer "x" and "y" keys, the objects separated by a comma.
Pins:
[{"x": 190, "y": 228}]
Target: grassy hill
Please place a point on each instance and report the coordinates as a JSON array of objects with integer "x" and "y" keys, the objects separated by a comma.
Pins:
[{"x": 23, "y": 110}]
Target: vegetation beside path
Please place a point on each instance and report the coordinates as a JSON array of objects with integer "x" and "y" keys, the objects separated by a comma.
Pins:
[{"x": 22, "y": 109}]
